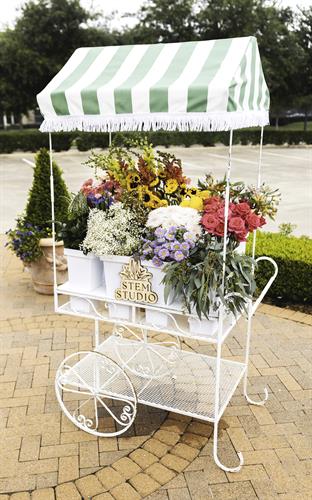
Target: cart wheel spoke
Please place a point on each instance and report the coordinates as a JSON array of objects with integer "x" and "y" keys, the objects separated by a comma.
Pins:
[{"x": 96, "y": 394}]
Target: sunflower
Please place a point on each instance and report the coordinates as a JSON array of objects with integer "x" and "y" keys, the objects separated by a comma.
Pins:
[
  {"x": 133, "y": 181},
  {"x": 149, "y": 199},
  {"x": 155, "y": 182},
  {"x": 171, "y": 186}
]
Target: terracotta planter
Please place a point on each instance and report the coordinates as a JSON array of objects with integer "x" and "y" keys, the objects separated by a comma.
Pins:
[{"x": 42, "y": 270}]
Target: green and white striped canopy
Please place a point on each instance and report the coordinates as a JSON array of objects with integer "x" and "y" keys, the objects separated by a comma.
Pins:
[{"x": 209, "y": 85}]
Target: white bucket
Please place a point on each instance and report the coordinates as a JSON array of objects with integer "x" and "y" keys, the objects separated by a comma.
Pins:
[
  {"x": 112, "y": 266},
  {"x": 157, "y": 285},
  {"x": 85, "y": 273}
]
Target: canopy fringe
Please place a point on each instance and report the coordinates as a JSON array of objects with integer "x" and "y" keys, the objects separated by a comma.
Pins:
[{"x": 197, "y": 122}]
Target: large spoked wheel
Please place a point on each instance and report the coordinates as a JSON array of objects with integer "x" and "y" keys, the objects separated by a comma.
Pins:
[{"x": 96, "y": 394}]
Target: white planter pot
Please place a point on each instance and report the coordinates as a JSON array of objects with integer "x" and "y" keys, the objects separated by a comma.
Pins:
[
  {"x": 85, "y": 273},
  {"x": 204, "y": 327},
  {"x": 112, "y": 266},
  {"x": 156, "y": 318},
  {"x": 157, "y": 285}
]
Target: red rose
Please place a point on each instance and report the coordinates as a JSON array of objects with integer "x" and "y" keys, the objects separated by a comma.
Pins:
[
  {"x": 241, "y": 236},
  {"x": 253, "y": 221},
  {"x": 219, "y": 230},
  {"x": 242, "y": 209},
  {"x": 209, "y": 221},
  {"x": 220, "y": 213},
  {"x": 212, "y": 204},
  {"x": 237, "y": 225}
]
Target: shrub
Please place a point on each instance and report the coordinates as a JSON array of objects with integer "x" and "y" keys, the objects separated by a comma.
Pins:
[
  {"x": 38, "y": 209},
  {"x": 32, "y": 140},
  {"x": 294, "y": 259}
]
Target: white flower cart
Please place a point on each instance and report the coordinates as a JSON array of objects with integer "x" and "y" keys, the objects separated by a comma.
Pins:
[{"x": 203, "y": 86}]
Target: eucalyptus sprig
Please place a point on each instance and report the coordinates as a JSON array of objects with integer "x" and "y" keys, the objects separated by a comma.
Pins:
[{"x": 198, "y": 279}]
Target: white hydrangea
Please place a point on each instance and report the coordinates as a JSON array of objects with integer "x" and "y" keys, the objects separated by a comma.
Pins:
[
  {"x": 114, "y": 232},
  {"x": 175, "y": 215}
]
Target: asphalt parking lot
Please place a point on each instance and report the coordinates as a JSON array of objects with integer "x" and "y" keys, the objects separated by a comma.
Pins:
[{"x": 289, "y": 169}]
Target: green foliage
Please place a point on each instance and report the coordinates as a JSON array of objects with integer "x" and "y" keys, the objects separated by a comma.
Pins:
[
  {"x": 45, "y": 35},
  {"x": 24, "y": 240},
  {"x": 38, "y": 209},
  {"x": 294, "y": 259},
  {"x": 32, "y": 140},
  {"x": 198, "y": 279},
  {"x": 74, "y": 230}
]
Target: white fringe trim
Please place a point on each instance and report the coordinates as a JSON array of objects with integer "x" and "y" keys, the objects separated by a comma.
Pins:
[{"x": 183, "y": 122}]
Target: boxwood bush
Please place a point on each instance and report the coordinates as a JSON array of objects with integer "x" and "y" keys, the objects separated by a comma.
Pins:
[
  {"x": 294, "y": 259},
  {"x": 32, "y": 140}
]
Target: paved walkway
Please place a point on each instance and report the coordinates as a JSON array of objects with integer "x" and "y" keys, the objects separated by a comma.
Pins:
[{"x": 43, "y": 456}]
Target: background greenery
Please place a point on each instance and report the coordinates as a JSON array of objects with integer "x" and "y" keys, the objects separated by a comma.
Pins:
[
  {"x": 32, "y": 140},
  {"x": 294, "y": 259},
  {"x": 48, "y": 31}
]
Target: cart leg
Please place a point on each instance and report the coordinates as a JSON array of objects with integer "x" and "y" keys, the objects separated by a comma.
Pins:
[
  {"x": 215, "y": 453},
  {"x": 266, "y": 394},
  {"x": 216, "y": 407}
]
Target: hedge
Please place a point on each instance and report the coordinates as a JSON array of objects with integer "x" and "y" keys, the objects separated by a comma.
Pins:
[
  {"x": 294, "y": 259},
  {"x": 32, "y": 140}
]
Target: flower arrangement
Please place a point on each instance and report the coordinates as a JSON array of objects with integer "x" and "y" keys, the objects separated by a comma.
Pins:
[
  {"x": 143, "y": 203},
  {"x": 101, "y": 194},
  {"x": 116, "y": 231},
  {"x": 156, "y": 179},
  {"x": 241, "y": 218},
  {"x": 168, "y": 245}
]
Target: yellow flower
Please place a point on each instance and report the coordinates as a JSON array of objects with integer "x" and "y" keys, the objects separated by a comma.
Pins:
[
  {"x": 193, "y": 202},
  {"x": 204, "y": 194},
  {"x": 155, "y": 182},
  {"x": 133, "y": 181},
  {"x": 150, "y": 199},
  {"x": 192, "y": 191},
  {"x": 171, "y": 186}
]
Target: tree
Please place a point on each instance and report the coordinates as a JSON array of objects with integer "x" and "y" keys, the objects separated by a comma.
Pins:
[
  {"x": 303, "y": 95},
  {"x": 164, "y": 21},
  {"x": 44, "y": 37},
  {"x": 38, "y": 208}
]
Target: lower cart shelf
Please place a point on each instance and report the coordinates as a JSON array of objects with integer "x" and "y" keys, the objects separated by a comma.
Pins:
[{"x": 186, "y": 386}]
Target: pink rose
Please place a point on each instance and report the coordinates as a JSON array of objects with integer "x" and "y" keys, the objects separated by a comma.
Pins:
[
  {"x": 242, "y": 209},
  {"x": 237, "y": 225},
  {"x": 212, "y": 204},
  {"x": 219, "y": 230},
  {"x": 220, "y": 213},
  {"x": 253, "y": 221},
  {"x": 209, "y": 221}
]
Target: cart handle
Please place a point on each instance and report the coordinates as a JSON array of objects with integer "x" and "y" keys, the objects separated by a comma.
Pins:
[{"x": 269, "y": 283}]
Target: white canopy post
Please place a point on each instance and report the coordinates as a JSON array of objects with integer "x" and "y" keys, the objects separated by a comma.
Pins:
[{"x": 53, "y": 223}]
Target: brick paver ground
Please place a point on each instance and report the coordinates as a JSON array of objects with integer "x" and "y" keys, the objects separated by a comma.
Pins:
[{"x": 43, "y": 456}]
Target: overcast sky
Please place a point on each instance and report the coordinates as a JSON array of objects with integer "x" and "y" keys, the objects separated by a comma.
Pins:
[{"x": 8, "y": 8}]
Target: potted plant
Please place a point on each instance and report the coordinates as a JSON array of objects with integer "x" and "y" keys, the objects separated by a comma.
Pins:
[
  {"x": 31, "y": 239},
  {"x": 113, "y": 235}
]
